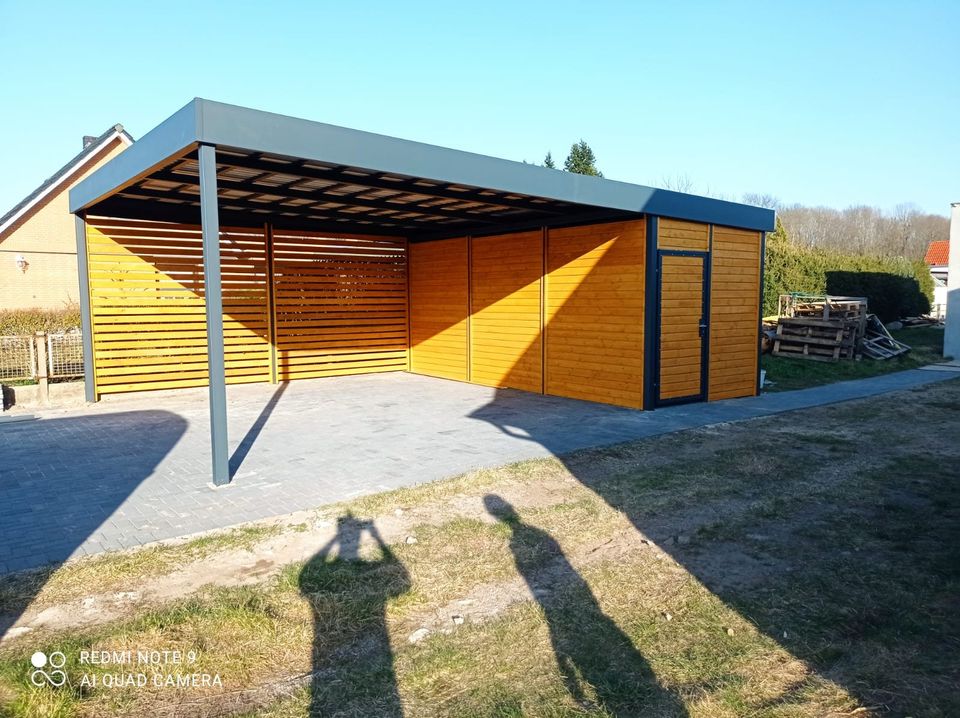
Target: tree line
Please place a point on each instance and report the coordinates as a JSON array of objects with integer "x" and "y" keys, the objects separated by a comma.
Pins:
[{"x": 905, "y": 232}]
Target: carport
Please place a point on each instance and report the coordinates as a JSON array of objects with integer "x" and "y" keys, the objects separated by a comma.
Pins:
[{"x": 231, "y": 245}]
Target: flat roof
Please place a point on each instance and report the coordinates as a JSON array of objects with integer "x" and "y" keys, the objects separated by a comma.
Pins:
[{"x": 311, "y": 175}]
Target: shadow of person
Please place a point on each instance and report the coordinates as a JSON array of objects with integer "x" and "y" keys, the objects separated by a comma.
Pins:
[
  {"x": 599, "y": 663},
  {"x": 348, "y": 584}
]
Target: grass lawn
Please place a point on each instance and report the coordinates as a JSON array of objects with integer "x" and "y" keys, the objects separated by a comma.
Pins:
[
  {"x": 796, "y": 566},
  {"x": 788, "y": 373}
]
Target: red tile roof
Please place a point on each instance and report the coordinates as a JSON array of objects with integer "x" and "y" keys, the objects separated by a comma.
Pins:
[{"x": 938, "y": 253}]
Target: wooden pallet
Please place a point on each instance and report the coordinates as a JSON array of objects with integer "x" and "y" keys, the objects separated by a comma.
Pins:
[
  {"x": 877, "y": 343},
  {"x": 815, "y": 338}
]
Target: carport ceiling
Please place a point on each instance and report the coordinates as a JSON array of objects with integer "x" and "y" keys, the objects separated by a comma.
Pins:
[
  {"x": 312, "y": 176},
  {"x": 254, "y": 187}
]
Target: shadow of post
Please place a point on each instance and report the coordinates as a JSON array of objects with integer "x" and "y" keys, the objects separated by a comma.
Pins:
[
  {"x": 247, "y": 442},
  {"x": 598, "y": 662},
  {"x": 349, "y": 592}
]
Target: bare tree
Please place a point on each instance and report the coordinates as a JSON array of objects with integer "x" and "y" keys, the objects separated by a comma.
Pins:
[
  {"x": 762, "y": 200},
  {"x": 905, "y": 232},
  {"x": 677, "y": 183}
]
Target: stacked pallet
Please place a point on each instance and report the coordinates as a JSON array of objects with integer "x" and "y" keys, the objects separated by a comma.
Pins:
[
  {"x": 817, "y": 339},
  {"x": 821, "y": 328}
]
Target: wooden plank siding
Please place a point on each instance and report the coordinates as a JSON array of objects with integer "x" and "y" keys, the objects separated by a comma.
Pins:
[
  {"x": 678, "y": 234},
  {"x": 734, "y": 313},
  {"x": 439, "y": 309},
  {"x": 340, "y": 304},
  {"x": 148, "y": 311},
  {"x": 594, "y": 309},
  {"x": 505, "y": 306},
  {"x": 559, "y": 311},
  {"x": 681, "y": 307}
]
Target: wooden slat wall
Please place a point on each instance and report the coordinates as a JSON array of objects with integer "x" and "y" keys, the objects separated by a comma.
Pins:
[
  {"x": 594, "y": 305},
  {"x": 681, "y": 306},
  {"x": 734, "y": 313},
  {"x": 505, "y": 304},
  {"x": 677, "y": 234},
  {"x": 439, "y": 309},
  {"x": 147, "y": 305},
  {"x": 341, "y": 304}
]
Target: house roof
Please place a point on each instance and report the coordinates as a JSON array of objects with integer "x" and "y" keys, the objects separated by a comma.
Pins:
[
  {"x": 938, "y": 253},
  {"x": 311, "y": 175},
  {"x": 62, "y": 174}
]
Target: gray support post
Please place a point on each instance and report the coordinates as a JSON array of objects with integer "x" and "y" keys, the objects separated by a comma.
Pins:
[
  {"x": 86, "y": 323},
  {"x": 213, "y": 293}
]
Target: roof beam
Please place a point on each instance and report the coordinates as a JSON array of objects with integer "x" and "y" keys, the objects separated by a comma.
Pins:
[
  {"x": 323, "y": 195},
  {"x": 117, "y": 206},
  {"x": 377, "y": 181},
  {"x": 274, "y": 208}
]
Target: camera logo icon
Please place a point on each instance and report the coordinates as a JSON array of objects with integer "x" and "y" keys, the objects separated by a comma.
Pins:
[{"x": 55, "y": 676}]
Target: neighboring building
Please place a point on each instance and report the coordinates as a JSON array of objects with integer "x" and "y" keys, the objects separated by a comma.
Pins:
[
  {"x": 951, "y": 339},
  {"x": 938, "y": 259},
  {"x": 38, "y": 246}
]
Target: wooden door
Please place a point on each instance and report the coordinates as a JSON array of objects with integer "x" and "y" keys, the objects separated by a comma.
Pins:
[{"x": 683, "y": 329}]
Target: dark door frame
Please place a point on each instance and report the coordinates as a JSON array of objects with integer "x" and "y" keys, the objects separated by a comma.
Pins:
[{"x": 704, "y": 324}]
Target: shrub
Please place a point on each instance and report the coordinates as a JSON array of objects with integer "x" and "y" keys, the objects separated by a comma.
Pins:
[
  {"x": 894, "y": 287},
  {"x": 29, "y": 321}
]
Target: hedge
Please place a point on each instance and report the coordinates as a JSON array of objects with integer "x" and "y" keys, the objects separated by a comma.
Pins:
[
  {"x": 894, "y": 287},
  {"x": 29, "y": 321}
]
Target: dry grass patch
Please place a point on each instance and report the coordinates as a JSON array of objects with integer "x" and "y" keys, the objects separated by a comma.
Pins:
[{"x": 778, "y": 568}]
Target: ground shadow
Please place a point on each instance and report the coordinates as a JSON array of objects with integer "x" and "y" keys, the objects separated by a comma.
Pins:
[
  {"x": 61, "y": 479},
  {"x": 348, "y": 584},
  {"x": 598, "y": 662},
  {"x": 813, "y": 590},
  {"x": 250, "y": 438}
]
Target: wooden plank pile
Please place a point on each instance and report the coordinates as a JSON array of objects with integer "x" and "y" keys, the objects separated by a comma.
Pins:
[
  {"x": 824, "y": 328},
  {"x": 820, "y": 328}
]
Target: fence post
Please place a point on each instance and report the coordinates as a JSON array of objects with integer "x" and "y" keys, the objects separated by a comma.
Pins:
[{"x": 43, "y": 367}]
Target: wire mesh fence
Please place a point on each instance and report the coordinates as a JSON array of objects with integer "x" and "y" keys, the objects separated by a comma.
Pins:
[
  {"x": 17, "y": 358},
  {"x": 65, "y": 355}
]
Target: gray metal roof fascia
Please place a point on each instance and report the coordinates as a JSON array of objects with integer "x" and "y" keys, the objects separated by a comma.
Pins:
[
  {"x": 244, "y": 128},
  {"x": 162, "y": 142}
]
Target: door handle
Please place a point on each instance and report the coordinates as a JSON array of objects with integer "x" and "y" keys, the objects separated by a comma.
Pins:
[{"x": 703, "y": 328}]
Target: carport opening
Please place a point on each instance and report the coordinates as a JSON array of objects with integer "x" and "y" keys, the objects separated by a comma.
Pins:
[{"x": 328, "y": 268}]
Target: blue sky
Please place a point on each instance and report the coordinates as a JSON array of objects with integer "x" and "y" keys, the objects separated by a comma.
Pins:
[{"x": 832, "y": 103}]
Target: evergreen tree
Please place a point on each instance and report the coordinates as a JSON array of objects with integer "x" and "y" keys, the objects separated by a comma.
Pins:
[
  {"x": 582, "y": 160},
  {"x": 548, "y": 161}
]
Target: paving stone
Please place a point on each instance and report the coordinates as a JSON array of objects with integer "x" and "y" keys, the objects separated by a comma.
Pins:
[{"x": 134, "y": 469}]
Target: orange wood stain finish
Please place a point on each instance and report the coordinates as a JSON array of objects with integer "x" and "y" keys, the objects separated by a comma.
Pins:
[
  {"x": 505, "y": 323},
  {"x": 681, "y": 305},
  {"x": 439, "y": 309},
  {"x": 734, "y": 313},
  {"x": 594, "y": 307},
  {"x": 148, "y": 311}
]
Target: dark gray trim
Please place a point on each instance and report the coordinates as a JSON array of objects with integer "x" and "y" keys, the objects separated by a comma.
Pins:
[
  {"x": 164, "y": 141},
  {"x": 86, "y": 324},
  {"x": 206, "y": 122},
  {"x": 213, "y": 295},
  {"x": 651, "y": 313},
  {"x": 763, "y": 262}
]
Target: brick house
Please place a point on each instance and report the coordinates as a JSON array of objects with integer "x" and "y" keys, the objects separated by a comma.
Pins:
[{"x": 38, "y": 251}]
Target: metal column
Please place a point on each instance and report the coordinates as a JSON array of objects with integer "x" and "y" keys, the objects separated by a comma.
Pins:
[
  {"x": 213, "y": 292},
  {"x": 86, "y": 323}
]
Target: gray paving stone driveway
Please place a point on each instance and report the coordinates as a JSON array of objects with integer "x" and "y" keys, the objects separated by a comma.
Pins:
[{"x": 134, "y": 469}]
